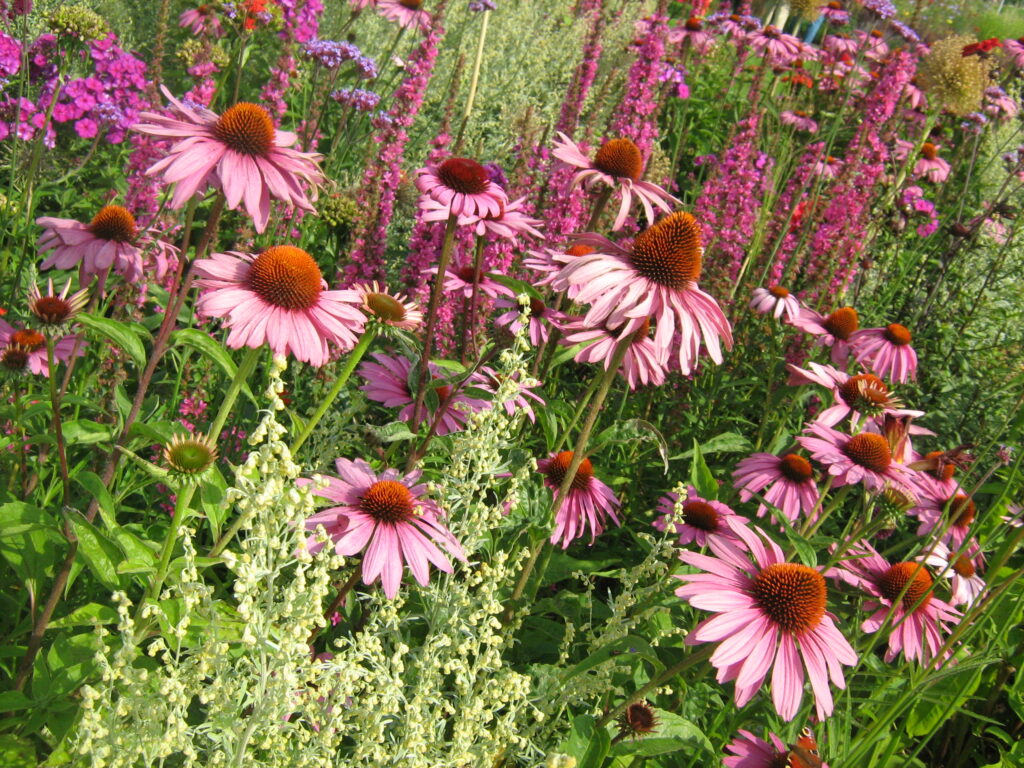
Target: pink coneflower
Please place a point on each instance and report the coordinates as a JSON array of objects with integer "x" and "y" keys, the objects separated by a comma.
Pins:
[
  {"x": 771, "y": 615},
  {"x": 654, "y": 279},
  {"x": 873, "y": 43},
  {"x": 405, "y": 13},
  {"x": 541, "y": 318},
  {"x": 838, "y": 45},
  {"x": 917, "y": 620},
  {"x": 832, "y": 330},
  {"x": 1015, "y": 50},
  {"x": 642, "y": 363},
  {"x": 777, "y": 300},
  {"x": 835, "y": 14},
  {"x": 386, "y": 516},
  {"x": 278, "y": 298},
  {"x": 110, "y": 240},
  {"x": 799, "y": 120},
  {"x": 864, "y": 458},
  {"x": 886, "y": 351},
  {"x": 618, "y": 164},
  {"x": 392, "y": 309},
  {"x": 202, "y": 20},
  {"x": 828, "y": 167},
  {"x": 53, "y": 308},
  {"x": 460, "y": 278},
  {"x": 929, "y": 165},
  {"x": 459, "y": 187},
  {"x": 789, "y": 479},
  {"x": 240, "y": 153},
  {"x": 509, "y": 223},
  {"x": 778, "y": 47},
  {"x": 693, "y": 33},
  {"x": 962, "y": 570},
  {"x": 702, "y": 519},
  {"x": 23, "y": 350},
  {"x": 587, "y": 504},
  {"x": 387, "y": 383},
  {"x": 748, "y": 751},
  {"x": 853, "y": 396},
  {"x": 939, "y": 508},
  {"x": 490, "y": 380}
]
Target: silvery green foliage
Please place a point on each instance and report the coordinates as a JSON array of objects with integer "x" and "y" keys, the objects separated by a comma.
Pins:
[
  {"x": 223, "y": 685},
  {"x": 423, "y": 683}
]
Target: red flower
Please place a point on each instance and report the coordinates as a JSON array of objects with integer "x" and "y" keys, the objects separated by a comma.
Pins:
[{"x": 983, "y": 47}]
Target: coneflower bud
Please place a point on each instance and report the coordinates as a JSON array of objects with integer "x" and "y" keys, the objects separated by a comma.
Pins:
[
  {"x": 638, "y": 720},
  {"x": 188, "y": 456}
]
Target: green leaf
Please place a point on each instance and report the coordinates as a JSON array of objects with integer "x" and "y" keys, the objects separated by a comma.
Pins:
[
  {"x": 94, "y": 485},
  {"x": 672, "y": 734},
  {"x": 12, "y": 700},
  {"x": 100, "y": 553},
  {"x": 626, "y": 649},
  {"x": 16, "y": 752},
  {"x": 587, "y": 743},
  {"x": 88, "y": 615},
  {"x": 209, "y": 347},
  {"x": 633, "y": 430},
  {"x": 120, "y": 333},
  {"x": 86, "y": 432},
  {"x": 393, "y": 432},
  {"x": 700, "y": 476}
]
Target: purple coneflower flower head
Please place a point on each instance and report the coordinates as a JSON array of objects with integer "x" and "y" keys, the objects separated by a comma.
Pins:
[
  {"x": 799, "y": 120},
  {"x": 110, "y": 240},
  {"x": 54, "y": 309},
  {"x": 918, "y": 619},
  {"x": 23, "y": 350},
  {"x": 770, "y": 617},
  {"x": 748, "y": 751},
  {"x": 386, "y": 517},
  {"x": 461, "y": 278},
  {"x": 999, "y": 104},
  {"x": 789, "y": 480},
  {"x": 392, "y": 309},
  {"x": 702, "y": 519},
  {"x": 832, "y": 330},
  {"x": 240, "y": 153},
  {"x": 202, "y": 20},
  {"x": 278, "y": 298},
  {"x": 490, "y": 380},
  {"x": 540, "y": 320},
  {"x": 642, "y": 365},
  {"x": 656, "y": 278},
  {"x": 929, "y": 165},
  {"x": 835, "y": 13},
  {"x": 587, "y": 505},
  {"x": 693, "y": 33},
  {"x": 777, "y": 300},
  {"x": 873, "y": 43},
  {"x": 886, "y": 351},
  {"x": 620, "y": 165},
  {"x": 939, "y": 508},
  {"x": 962, "y": 570},
  {"x": 387, "y": 383},
  {"x": 1015, "y": 50},
  {"x": 864, "y": 458},
  {"x": 828, "y": 167},
  {"x": 853, "y": 396},
  {"x": 779, "y": 48},
  {"x": 459, "y": 187},
  {"x": 509, "y": 222},
  {"x": 405, "y": 13}
]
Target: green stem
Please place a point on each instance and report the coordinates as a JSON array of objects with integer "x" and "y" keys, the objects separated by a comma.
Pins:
[
  {"x": 245, "y": 368},
  {"x": 58, "y": 431},
  {"x": 428, "y": 333},
  {"x": 474, "y": 81},
  {"x": 353, "y": 360},
  {"x": 181, "y": 505}
]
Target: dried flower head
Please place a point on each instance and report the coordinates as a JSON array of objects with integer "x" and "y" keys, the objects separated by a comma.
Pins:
[
  {"x": 638, "y": 720},
  {"x": 956, "y": 81},
  {"x": 78, "y": 21},
  {"x": 808, "y": 10}
]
